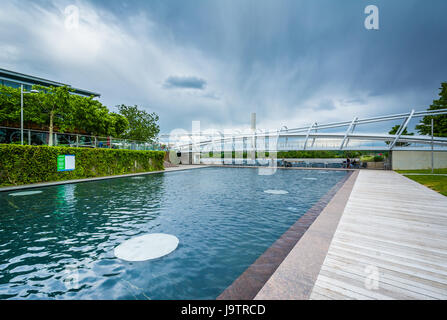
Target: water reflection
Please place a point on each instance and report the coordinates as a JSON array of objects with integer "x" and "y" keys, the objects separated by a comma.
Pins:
[{"x": 69, "y": 227}]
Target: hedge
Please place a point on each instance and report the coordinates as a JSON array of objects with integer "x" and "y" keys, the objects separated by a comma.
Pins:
[{"x": 34, "y": 164}]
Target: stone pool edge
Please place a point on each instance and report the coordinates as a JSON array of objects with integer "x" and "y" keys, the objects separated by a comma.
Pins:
[{"x": 259, "y": 281}]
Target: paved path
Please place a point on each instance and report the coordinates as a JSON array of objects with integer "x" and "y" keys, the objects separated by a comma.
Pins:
[{"x": 393, "y": 230}]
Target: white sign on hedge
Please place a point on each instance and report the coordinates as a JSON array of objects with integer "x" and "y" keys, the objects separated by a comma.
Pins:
[{"x": 66, "y": 163}]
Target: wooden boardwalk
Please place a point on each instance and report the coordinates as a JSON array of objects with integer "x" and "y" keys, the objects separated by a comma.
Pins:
[{"x": 391, "y": 243}]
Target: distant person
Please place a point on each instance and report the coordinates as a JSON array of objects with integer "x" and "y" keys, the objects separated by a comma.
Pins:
[{"x": 348, "y": 163}]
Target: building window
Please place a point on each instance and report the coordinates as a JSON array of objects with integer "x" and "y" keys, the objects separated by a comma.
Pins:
[{"x": 11, "y": 84}]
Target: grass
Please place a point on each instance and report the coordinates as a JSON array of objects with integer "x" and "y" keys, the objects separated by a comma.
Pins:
[
  {"x": 433, "y": 181},
  {"x": 427, "y": 171},
  {"x": 367, "y": 158},
  {"x": 437, "y": 183}
]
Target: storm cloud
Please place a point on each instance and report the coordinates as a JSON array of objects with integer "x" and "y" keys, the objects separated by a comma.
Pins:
[
  {"x": 184, "y": 83},
  {"x": 293, "y": 62}
]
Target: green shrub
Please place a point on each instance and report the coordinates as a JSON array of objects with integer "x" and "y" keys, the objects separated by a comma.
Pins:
[
  {"x": 378, "y": 158},
  {"x": 367, "y": 158},
  {"x": 35, "y": 164}
]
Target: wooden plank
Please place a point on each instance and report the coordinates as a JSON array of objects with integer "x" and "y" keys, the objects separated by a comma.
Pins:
[
  {"x": 386, "y": 264},
  {"x": 389, "y": 240},
  {"x": 420, "y": 256},
  {"x": 399, "y": 237},
  {"x": 410, "y": 282},
  {"x": 349, "y": 288},
  {"x": 396, "y": 257},
  {"x": 384, "y": 291},
  {"x": 376, "y": 259},
  {"x": 326, "y": 294},
  {"x": 319, "y": 296}
]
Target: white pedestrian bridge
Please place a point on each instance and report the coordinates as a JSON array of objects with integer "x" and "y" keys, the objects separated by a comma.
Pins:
[{"x": 337, "y": 136}]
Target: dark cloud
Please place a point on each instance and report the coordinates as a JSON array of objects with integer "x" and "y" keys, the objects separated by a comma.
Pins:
[
  {"x": 184, "y": 83},
  {"x": 291, "y": 61}
]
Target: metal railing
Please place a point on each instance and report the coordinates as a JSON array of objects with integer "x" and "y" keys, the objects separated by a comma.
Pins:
[
  {"x": 312, "y": 138},
  {"x": 9, "y": 135}
]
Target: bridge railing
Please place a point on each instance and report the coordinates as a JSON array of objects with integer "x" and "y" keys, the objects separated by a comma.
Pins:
[{"x": 313, "y": 138}]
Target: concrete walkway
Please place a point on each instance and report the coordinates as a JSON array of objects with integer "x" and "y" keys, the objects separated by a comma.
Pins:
[{"x": 391, "y": 243}]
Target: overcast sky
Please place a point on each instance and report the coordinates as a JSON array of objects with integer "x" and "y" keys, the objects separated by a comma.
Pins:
[{"x": 293, "y": 62}]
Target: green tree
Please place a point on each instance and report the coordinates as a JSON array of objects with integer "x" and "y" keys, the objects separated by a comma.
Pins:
[
  {"x": 54, "y": 101},
  {"x": 57, "y": 108},
  {"x": 10, "y": 108},
  {"x": 143, "y": 126},
  {"x": 85, "y": 115},
  {"x": 9, "y": 105},
  {"x": 394, "y": 130},
  {"x": 439, "y": 122},
  {"x": 119, "y": 124},
  {"x": 404, "y": 133},
  {"x": 92, "y": 117}
]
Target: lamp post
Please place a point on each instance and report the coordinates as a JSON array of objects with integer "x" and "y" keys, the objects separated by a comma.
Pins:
[
  {"x": 21, "y": 110},
  {"x": 432, "y": 145}
]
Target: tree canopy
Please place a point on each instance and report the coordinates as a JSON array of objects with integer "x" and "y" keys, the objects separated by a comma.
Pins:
[
  {"x": 58, "y": 108},
  {"x": 54, "y": 101},
  {"x": 142, "y": 125},
  {"x": 394, "y": 130},
  {"x": 404, "y": 133},
  {"x": 439, "y": 122}
]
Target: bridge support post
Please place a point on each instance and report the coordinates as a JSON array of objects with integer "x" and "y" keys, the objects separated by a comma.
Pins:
[{"x": 253, "y": 139}]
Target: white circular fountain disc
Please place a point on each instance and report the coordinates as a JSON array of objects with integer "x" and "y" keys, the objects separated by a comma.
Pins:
[
  {"x": 147, "y": 247},
  {"x": 276, "y": 191}
]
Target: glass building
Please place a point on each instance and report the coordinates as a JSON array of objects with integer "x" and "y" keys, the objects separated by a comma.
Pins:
[{"x": 15, "y": 80}]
